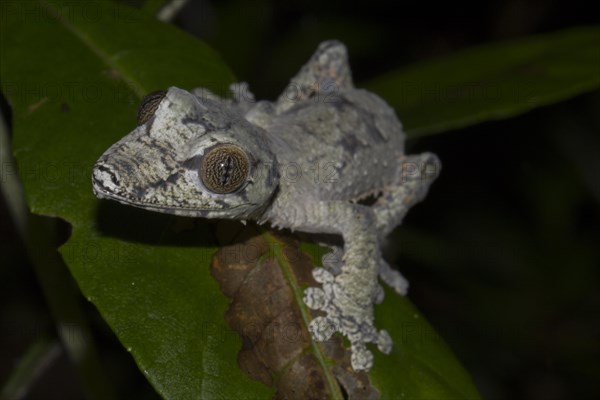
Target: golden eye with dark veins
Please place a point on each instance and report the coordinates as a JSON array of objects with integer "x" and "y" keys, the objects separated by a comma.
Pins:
[
  {"x": 224, "y": 168},
  {"x": 148, "y": 106}
]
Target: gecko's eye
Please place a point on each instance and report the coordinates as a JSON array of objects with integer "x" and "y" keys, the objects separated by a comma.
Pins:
[
  {"x": 148, "y": 105},
  {"x": 224, "y": 168}
]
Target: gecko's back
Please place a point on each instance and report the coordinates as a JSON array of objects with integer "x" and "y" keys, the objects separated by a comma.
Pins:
[{"x": 341, "y": 147}]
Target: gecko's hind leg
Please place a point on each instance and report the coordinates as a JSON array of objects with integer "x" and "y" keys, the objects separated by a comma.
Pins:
[{"x": 415, "y": 175}]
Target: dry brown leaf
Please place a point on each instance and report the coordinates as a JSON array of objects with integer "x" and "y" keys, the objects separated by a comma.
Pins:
[{"x": 265, "y": 274}]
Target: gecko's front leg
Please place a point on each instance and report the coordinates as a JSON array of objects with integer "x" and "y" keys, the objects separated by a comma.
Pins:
[{"x": 348, "y": 297}]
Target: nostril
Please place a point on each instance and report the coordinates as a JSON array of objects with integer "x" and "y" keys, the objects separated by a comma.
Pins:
[{"x": 105, "y": 178}]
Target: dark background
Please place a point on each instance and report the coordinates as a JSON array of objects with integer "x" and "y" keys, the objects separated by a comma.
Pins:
[{"x": 503, "y": 256}]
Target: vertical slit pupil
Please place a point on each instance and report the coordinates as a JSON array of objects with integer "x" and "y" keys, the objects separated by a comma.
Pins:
[
  {"x": 224, "y": 168},
  {"x": 227, "y": 168}
]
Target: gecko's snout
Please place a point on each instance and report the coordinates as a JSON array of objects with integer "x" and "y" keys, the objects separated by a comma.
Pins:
[{"x": 105, "y": 180}]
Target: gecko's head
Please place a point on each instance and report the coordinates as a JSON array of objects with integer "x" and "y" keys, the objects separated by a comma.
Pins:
[{"x": 189, "y": 156}]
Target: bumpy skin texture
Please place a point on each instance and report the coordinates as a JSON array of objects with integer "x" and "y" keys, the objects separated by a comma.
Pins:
[{"x": 312, "y": 155}]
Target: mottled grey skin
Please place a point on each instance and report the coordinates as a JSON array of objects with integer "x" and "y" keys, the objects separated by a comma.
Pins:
[{"x": 315, "y": 153}]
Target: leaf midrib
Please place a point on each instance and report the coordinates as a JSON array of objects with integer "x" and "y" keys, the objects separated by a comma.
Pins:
[{"x": 306, "y": 318}]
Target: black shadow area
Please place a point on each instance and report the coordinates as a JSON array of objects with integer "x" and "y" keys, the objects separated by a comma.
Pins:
[{"x": 136, "y": 225}]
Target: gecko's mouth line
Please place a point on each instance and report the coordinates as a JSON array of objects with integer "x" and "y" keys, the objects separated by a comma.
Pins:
[{"x": 136, "y": 202}]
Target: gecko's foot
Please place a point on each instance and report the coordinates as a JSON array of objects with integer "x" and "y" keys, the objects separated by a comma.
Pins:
[{"x": 344, "y": 315}]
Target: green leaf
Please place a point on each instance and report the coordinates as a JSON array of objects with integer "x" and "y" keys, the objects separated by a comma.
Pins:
[
  {"x": 73, "y": 73},
  {"x": 492, "y": 81},
  {"x": 421, "y": 366}
]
